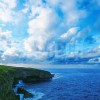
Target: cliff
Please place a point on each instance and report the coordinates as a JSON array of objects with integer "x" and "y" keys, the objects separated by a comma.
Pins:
[{"x": 9, "y": 76}]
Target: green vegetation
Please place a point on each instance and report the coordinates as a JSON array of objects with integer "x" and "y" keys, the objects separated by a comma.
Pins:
[{"x": 9, "y": 76}]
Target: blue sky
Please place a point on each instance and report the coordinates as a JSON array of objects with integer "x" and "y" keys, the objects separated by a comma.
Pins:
[{"x": 34, "y": 31}]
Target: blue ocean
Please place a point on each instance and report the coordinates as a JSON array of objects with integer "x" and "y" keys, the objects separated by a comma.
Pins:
[{"x": 68, "y": 84}]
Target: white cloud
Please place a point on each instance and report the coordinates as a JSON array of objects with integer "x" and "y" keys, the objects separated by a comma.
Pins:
[
  {"x": 5, "y": 34},
  {"x": 93, "y": 52},
  {"x": 69, "y": 34},
  {"x": 87, "y": 53},
  {"x": 70, "y": 11},
  {"x": 45, "y": 23},
  {"x": 38, "y": 55},
  {"x": 32, "y": 6},
  {"x": 9, "y": 52},
  {"x": 4, "y": 38},
  {"x": 41, "y": 30},
  {"x": 10, "y": 3},
  {"x": 94, "y": 60},
  {"x": 6, "y": 10}
]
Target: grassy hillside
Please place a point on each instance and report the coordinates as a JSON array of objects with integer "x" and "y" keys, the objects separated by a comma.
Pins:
[{"x": 9, "y": 76}]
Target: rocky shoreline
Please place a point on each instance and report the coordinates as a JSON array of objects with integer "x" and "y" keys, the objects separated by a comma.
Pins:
[{"x": 10, "y": 76}]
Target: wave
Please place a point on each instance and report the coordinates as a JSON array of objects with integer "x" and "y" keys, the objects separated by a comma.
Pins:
[
  {"x": 57, "y": 75},
  {"x": 37, "y": 95}
]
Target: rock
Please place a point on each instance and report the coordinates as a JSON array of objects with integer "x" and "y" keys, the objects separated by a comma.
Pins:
[
  {"x": 17, "y": 97},
  {"x": 26, "y": 93}
]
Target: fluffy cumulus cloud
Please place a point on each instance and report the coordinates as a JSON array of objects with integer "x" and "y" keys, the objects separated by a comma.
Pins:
[
  {"x": 50, "y": 20},
  {"x": 49, "y": 30},
  {"x": 41, "y": 29}
]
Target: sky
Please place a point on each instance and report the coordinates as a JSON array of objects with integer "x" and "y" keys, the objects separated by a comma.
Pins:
[{"x": 53, "y": 31}]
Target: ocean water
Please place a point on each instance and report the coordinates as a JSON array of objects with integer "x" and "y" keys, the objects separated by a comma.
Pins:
[{"x": 68, "y": 84}]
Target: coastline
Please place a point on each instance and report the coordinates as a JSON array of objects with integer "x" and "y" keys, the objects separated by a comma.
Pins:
[{"x": 9, "y": 77}]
